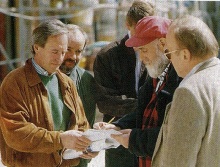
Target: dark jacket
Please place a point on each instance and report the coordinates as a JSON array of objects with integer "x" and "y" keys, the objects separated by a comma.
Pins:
[
  {"x": 142, "y": 142},
  {"x": 114, "y": 71}
]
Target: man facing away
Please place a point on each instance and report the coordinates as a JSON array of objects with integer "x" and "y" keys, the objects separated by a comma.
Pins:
[
  {"x": 84, "y": 81},
  {"x": 190, "y": 131},
  {"x": 41, "y": 113},
  {"x": 117, "y": 69},
  {"x": 142, "y": 127}
]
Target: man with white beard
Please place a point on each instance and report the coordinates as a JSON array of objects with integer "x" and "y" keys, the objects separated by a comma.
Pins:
[{"x": 141, "y": 128}]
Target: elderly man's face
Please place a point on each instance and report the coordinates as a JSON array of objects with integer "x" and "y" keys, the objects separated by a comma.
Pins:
[
  {"x": 76, "y": 43},
  {"x": 153, "y": 58}
]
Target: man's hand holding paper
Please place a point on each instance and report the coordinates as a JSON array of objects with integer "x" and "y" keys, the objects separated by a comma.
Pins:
[
  {"x": 104, "y": 125},
  {"x": 122, "y": 138},
  {"x": 73, "y": 139},
  {"x": 89, "y": 155},
  {"x": 101, "y": 140}
]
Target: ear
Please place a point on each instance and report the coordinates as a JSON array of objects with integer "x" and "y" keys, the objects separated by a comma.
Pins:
[
  {"x": 186, "y": 55},
  {"x": 36, "y": 48},
  {"x": 161, "y": 44}
]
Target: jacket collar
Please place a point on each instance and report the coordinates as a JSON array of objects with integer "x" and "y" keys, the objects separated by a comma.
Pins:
[
  {"x": 32, "y": 76},
  {"x": 172, "y": 81},
  {"x": 201, "y": 66}
]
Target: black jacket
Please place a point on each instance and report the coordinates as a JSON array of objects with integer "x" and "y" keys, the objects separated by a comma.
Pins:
[
  {"x": 114, "y": 71},
  {"x": 142, "y": 142}
]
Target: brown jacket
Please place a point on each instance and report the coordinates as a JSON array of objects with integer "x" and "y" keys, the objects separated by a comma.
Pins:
[{"x": 27, "y": 137}]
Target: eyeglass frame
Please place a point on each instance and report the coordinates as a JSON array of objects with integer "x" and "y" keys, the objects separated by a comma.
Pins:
[{"x": 169, "y": 57}]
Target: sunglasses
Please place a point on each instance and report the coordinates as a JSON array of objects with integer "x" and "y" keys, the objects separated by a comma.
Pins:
[{"x": 168, "y": 54}]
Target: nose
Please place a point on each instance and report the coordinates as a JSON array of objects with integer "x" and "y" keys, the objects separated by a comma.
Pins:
[
  {"x": 60, "y": 56},
  {"x": 74, "y": 56},
  {"x": 71, "y": 55}
]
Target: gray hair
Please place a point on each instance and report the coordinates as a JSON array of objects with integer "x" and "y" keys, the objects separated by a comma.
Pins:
[
  {"x": 74, "y": 28},
  {"x": 46, "y": 29},
  {"x": 193, "y": 34}
]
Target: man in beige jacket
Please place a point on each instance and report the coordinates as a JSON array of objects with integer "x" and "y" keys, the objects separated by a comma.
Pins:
[{"x": 190, "y": 132}]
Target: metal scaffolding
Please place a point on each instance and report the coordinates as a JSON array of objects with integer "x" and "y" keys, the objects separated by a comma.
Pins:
[{"x": 93, "y": 16}]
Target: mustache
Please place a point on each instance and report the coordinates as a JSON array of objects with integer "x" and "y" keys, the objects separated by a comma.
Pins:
[
  {"x": 70, "y": 60},
  {"x": 65, "y": 69}
]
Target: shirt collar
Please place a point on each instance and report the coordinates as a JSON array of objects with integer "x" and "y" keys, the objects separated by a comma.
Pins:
[{"x": 40, "y": 70}]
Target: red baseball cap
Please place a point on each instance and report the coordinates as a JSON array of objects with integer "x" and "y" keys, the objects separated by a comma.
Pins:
[{"x": 148, "y": 29}]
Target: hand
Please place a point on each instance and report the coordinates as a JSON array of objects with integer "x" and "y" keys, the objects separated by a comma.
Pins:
[
  {"x": 73, "y": 139},
  {"x": 104, "y": 125},
  {"x": 89, "y": 155},
  {"x": 123, "y": 139}
]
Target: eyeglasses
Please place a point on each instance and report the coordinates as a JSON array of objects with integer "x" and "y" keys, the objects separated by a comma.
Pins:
[{"x": 168, "y": 54}]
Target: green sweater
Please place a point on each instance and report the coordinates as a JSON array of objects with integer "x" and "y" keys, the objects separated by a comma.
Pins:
[{"x": 60, "y": 113}]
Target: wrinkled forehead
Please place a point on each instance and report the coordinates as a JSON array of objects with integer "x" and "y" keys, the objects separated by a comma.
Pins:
[{"x": 59, "y": 42}]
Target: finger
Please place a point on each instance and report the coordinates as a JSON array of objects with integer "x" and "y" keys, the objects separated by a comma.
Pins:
[
  {"x": 85, "y": 156},
  {"x": 116, "y": 137},
  {"x": 102, "y": 125},
  {"x": 98, "y": 125},
  {"x": 84, "y": 138},
  {"x": 74, "y": 133},
  {"x": 93, "y": 154},
  {"x": 80, "y": 146},
  {"x": 80, "y": 149},
  {"x": 89, "y": 155},
  {"x": 125, "y": 131}
]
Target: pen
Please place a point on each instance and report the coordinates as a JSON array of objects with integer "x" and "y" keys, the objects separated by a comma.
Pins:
[{"x": 111, "y": 120}]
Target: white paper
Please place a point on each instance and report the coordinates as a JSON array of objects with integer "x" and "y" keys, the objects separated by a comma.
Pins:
[{"x": 101, "y": 140}]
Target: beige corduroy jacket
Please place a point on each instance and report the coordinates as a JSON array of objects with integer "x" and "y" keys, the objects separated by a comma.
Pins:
[{"x": 27, "y": 138}]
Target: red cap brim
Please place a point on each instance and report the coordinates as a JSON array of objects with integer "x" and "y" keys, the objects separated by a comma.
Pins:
[{"x": 136, "y": 42}]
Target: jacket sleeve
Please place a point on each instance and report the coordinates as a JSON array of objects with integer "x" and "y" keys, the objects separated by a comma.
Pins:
[
  {"x": 18, "y": 131},
  {"x": 110, "y": 99},
  {"x": 142, "y": 142},
  {"x": 126, "y": 122}
]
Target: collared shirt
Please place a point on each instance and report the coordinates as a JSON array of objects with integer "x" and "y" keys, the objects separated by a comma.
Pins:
[
  {"x": 39, "y": 69},
  {"x": 193, "y": 71},
  {"x": 76, "y": 76}
]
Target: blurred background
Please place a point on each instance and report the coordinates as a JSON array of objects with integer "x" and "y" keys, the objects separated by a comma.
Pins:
[{"x": 103, "y": 20}]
